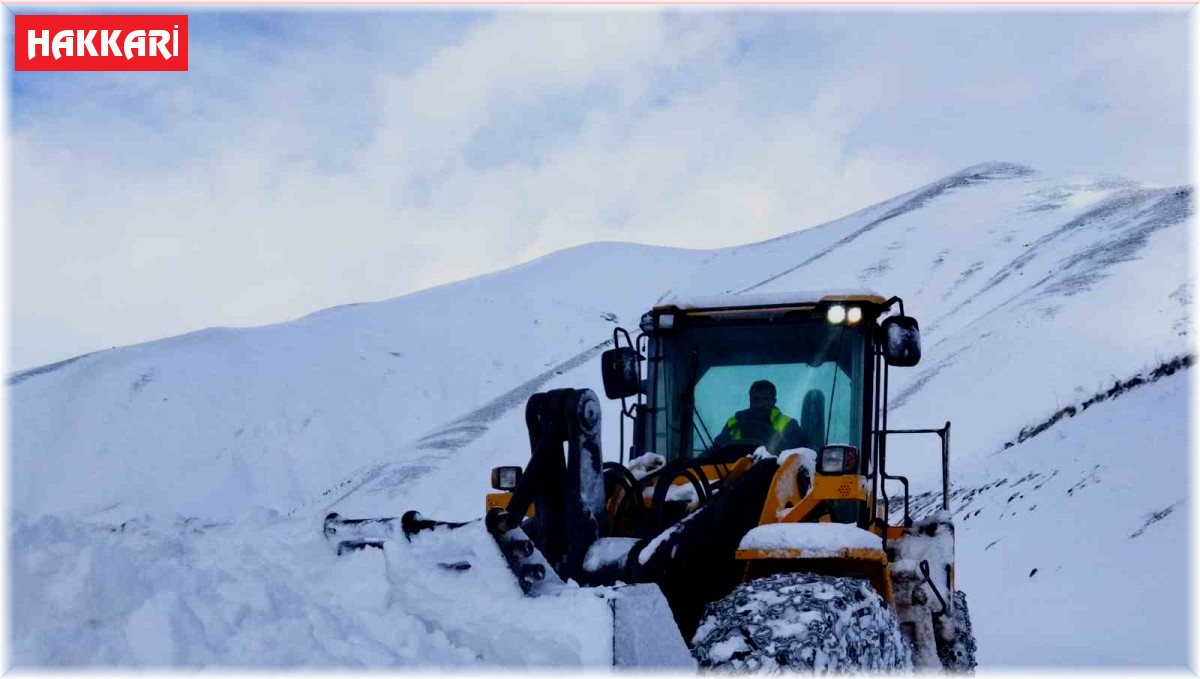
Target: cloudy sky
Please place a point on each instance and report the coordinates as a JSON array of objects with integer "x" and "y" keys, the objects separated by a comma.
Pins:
[{"x": 311, "y": 158}]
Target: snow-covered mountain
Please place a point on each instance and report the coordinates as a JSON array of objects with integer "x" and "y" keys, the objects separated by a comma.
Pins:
[{"x": 167, "y": 496}]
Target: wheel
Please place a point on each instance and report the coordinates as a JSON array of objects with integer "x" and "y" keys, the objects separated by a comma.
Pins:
[
  {"x": 955, "y": 639},
  {"x": 801, "y": 621}
]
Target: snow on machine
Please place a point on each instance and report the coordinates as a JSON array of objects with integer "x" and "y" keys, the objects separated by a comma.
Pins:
[{"x": 760, "y": 533}]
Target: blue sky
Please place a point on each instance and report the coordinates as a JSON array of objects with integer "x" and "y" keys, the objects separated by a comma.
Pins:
[{"x": 311, "y": 158}]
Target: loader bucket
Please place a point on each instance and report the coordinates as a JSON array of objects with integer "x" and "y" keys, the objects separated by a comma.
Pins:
[{"x": 644, "y": 631}]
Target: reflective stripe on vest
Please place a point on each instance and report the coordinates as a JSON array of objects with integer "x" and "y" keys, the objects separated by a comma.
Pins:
[{"x": 779, "y": 422}]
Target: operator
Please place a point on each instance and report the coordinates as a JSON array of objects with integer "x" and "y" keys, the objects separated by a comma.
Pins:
[{"x": 761, "y": 423}]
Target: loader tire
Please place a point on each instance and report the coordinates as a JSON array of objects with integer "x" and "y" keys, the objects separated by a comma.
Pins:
[
  {"x": 801, "y": 621},
  {"x": 956, "y": 646}
]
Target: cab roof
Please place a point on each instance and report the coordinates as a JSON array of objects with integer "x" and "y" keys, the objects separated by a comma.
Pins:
[{"x": 770, "y": 299}]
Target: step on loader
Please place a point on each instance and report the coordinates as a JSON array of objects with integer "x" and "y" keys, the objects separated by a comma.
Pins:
[{"x": 754, "y": 514}]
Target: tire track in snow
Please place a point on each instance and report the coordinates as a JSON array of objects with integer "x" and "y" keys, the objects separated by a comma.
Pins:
[
  {"x": 448, "y": 439},
  {"x": 469, "y": 427}
]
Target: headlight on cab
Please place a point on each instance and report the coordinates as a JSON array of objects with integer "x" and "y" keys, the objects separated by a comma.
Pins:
[
  {"x": 506, "y": 478},
  {"x": 838, "y": 459}
]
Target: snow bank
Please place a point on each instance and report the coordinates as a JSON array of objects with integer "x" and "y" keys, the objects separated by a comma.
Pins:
[
  {"x": 484, "y": 610},
  {"x": 272, "y": 593}
]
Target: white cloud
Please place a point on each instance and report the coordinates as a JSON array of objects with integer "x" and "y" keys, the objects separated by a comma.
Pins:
[
  {"x": 1145, "y": 86},
  {"x": 346, "y": 173}
]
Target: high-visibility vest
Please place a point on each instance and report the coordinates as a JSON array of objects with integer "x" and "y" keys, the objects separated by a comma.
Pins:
[{"x": 779, "y": 421}]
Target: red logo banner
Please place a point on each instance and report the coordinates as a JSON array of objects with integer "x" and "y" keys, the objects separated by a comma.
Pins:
[{"x": 101, "y": 42}]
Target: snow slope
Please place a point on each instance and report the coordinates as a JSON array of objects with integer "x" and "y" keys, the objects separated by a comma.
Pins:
[
  {"x": 1085, "y": 526},
  {"x": 220, "y": 451}
]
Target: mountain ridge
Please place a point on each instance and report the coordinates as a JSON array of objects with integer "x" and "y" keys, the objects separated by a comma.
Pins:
[
  {"x": 973, "y": 174},
  {"x": 361, "y": 385}
]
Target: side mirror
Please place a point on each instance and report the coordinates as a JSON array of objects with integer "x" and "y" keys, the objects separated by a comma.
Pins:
[
  {"x": 901, "y": 341},
  {"x": 619, "y": 368}
]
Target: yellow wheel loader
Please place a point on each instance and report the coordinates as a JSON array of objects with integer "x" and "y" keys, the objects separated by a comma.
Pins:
[{"x": 746, "y": 537}]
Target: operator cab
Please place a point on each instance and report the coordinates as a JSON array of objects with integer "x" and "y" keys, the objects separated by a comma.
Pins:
[
  {"x": 703, "y": 364},
  {"x": 705, "y": 359},
  {"x": 696, "y": 366}
]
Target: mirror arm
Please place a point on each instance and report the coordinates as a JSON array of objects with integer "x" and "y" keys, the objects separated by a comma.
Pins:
[
  {"x": 616, "y": 340},
  {"x": 888, "y": 304}
]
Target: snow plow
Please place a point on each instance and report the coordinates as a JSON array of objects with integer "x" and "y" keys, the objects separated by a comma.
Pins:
[{"x": 763, "y": 534}]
